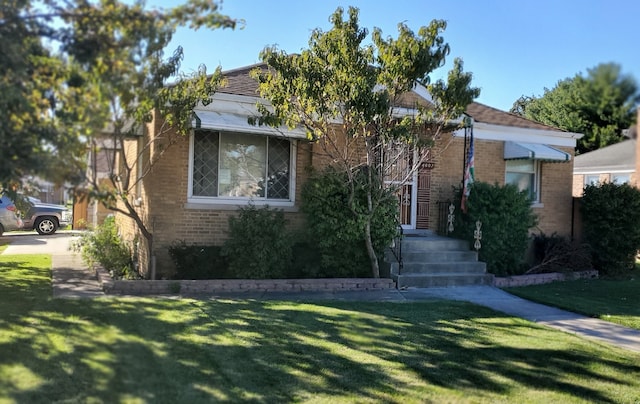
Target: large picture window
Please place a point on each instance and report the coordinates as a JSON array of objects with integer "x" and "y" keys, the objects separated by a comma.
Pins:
[
  {"x": 524, "y": 175},
  {"x": 241, "y": 166}
]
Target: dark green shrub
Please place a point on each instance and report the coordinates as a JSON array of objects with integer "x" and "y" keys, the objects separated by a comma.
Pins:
[
  {"x": 555, "y": 253},
  {"x": 259, "y": 245},
  {"x": 336, "y": 232},
  {"x": 198, "y": 262},
  {"x": 506, "y": 216},
  {"x": 611, "y": 223},
  {"x": 306, "y": 261},
  {"x": 103, "y": 246}
]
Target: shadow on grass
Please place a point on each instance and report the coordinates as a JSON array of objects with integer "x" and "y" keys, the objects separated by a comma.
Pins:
[{"x": 200, "y": 351}]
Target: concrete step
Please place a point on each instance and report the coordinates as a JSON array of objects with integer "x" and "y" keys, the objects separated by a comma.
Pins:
[
  {"x": 439, "y": 256},
  {"x": 424, "y": 244},
  {"x": 462, "y": 267},
  {"x": 442, "y": 280}
]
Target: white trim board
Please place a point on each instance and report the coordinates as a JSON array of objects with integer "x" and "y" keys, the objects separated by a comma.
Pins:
[{"x": 510, "y": 133}]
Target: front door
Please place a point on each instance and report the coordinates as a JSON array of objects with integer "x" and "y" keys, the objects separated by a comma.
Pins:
[{"x": 400, "y": 176}]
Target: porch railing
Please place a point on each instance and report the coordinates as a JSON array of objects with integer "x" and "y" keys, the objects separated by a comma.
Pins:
[
  {"x": 396, "y": 247},
  {"x": 443, "y": 217}
]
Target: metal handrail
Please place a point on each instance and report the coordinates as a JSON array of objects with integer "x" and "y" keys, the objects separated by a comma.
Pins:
[{"x": 396, "y": 248}]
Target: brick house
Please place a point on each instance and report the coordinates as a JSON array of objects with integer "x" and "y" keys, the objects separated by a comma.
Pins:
[
  {"x": 194, "y": 189},
  {"x": 617, "y": 163}
]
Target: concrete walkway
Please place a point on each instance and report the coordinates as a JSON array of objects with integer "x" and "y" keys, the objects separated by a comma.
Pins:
[
  {"x": 70, "y": 276},
  {"x": 71, "y": 279},
  {"x": 562, "y": 320}
]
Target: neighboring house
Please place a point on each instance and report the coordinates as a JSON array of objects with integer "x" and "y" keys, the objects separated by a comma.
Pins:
[
  {"x": 616, "y": 163},
  {"x": 195, "y": 187},
  {"x": 102, "y": 162},
  {"x": 47, "y": 191}
]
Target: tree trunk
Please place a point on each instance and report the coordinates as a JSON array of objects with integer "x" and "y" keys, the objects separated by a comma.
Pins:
[
  {"x": 148, "y": 236},
  {"x": 373, "y": 258}
]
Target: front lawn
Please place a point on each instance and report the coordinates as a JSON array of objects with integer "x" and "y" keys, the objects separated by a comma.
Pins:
[
  {"x": 612, "y": 300},
  {"x": 189, "y": 351}
]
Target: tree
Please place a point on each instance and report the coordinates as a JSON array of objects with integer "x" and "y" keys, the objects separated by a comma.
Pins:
[
  {"x": 599, "y": 105},
  {"x": 28, "y": 73},
  {"x": 112, "y": 79},
  {"x": 344, "y": 93}
]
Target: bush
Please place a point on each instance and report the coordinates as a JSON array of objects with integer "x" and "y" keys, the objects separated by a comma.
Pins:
[
  {"x": 306, "y": 262},
  {"x": 336, "y": 232},
  {"x": 198, "y": 262},
  {"x": 207, "y": 262},
  {"x": 557, "y": 254},
  {"x": 259, "y": 245},
  {"x": 104, "y": 246},
  {"x": 611, "y": 223},
  {"x": 506, "y": 216}
]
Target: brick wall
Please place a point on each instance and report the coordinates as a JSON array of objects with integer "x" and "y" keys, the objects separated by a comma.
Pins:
[
  {"x": 578, "y": 182},
  {"x": 170, "y": 218},
  {"x": 539, "y": 279},
  {"x": 554, "y": 211},
  {"x": 556, "y": 197}
]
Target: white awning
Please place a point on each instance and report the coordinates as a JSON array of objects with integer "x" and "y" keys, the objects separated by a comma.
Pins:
[
  {"x": 238, "y": 123},
  {"x": 517, "y": 150}
]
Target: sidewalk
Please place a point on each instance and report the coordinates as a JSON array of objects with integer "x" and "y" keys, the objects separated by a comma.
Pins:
[{"x": 71, "y": 278}]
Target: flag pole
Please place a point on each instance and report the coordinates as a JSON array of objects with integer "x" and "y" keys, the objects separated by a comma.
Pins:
[{"x": 469, "y": 174}]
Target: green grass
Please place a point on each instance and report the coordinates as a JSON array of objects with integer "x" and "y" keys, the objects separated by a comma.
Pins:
[
  {"x": 615, "y": 300},
  {"x": 3, "y": 244},
  {"x": 142, "y": 350}
]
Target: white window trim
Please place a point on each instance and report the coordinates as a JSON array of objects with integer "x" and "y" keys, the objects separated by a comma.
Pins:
[
  {"x": 586, "y": 182},
  {"x": 537, "y": 174},
  {"x": 222, "y": 203},
  {"x": 627, "y": 174}
]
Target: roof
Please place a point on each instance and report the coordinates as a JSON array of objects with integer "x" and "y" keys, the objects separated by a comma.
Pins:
[
  {"x": 616, "y": 157},
  {"x": 239, "y": 82},
  {"x": 486, "y": 114}
]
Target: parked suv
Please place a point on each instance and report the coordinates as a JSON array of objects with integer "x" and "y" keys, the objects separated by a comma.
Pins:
[
  {"x": 9, "y": 219},
  {"x": 45, "y": 218},
  {"x": 32, "y": 214}
]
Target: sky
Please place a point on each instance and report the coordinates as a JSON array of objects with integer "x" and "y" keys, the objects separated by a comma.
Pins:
[{"x": 513, "y": 48}]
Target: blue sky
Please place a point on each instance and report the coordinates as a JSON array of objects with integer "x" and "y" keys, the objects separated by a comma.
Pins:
[{"x": 511, "y": 47}]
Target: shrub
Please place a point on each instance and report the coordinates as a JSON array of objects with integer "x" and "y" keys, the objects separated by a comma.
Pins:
[
  {"x": 259, "y": 245},
  {"x": 104, "y": 246},
  {"x": 557, "y": 254},
  {"x": 306, "y": 261},
  {"x": 198, "y": 262},
  {"x": 336, "y": 232},
  {"x": 506, "y": 216},
  {"x": 611, "y": 223},
  {"x": 207, "y": 262}
]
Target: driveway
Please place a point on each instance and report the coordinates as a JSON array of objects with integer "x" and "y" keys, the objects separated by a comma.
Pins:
[{"x": 33, "y": 243}]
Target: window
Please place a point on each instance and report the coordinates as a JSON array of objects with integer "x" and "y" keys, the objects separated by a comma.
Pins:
[
  {"x": 241, "y": 166},
  {"x": 620, "y": 178},
  {"x": 524, "y": 175},
  {"x": 591, "y": 180}
]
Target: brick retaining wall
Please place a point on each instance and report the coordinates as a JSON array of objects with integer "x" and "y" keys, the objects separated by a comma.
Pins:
[
  {"x": 163, "y": 287},
  {"x": 539, "y": 279}
]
